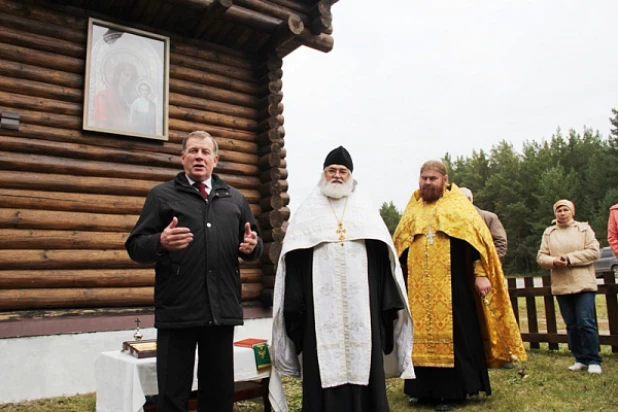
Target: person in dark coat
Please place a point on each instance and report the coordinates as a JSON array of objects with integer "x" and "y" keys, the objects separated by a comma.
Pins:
[{"x": 195, "y": 228}]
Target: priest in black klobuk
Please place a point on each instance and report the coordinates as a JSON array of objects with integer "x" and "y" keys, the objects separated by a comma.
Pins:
[{"x": 340, "y": 303}]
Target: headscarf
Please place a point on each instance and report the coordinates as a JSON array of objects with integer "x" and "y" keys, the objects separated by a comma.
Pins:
[{"x": 566, "y": 203}]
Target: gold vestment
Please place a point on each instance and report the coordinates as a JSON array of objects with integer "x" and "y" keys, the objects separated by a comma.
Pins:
[{"x": 425, "y": 231}]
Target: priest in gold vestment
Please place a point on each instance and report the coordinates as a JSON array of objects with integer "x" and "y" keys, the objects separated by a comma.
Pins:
[{"x": 463, "y": 320}]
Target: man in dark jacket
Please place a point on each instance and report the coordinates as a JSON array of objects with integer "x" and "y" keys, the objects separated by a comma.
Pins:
[{"x": 195, "y": 228}]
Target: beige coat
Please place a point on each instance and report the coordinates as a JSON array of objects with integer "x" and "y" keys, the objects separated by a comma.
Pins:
[{"x": 576, "y": 241}]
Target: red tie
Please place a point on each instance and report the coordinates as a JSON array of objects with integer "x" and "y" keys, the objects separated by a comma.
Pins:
[{"x": 202, "y": 188}]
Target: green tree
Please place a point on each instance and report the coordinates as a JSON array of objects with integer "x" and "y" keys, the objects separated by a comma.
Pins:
[
  {"x": 614, "y": 122},
  {"x": 521, "y": 187},
  {"x": 390, "y": 215},
  {"x": 599, "y": 220}
]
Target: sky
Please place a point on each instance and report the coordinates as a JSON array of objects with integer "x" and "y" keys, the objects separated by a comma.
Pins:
[{"x": 408, "y": 81}]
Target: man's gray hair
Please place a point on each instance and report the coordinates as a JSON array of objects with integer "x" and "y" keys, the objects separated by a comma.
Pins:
[
  {"x": 201, "y": 135},
  {"x": 467, "y": 193}
]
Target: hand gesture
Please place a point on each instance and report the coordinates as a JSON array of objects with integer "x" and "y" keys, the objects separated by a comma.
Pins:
[
  {"x": 175, "y": 238},
  {"x": 249, "y": 242}
]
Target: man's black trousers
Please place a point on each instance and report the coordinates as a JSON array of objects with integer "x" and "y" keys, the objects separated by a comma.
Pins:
[{"x": 215, "y": 373}]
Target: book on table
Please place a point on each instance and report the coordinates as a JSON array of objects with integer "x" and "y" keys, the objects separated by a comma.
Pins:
[
  {"x": 249, "y": 342},
  {"x": 260, "y": 351},
  {"x": 146, "y": 348}
]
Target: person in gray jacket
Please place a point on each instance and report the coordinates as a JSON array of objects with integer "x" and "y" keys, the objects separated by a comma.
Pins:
[
  {"x": 569, "y": 249},
  {"x": 195, "y": 228},
  {"x": 498, "y": 234}
]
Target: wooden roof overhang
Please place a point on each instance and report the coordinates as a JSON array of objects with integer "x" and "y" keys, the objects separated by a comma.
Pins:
[{"x": 251, "y": 26}]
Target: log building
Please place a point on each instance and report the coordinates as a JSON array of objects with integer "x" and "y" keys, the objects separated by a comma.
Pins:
[{"x": 69, "y": 197}]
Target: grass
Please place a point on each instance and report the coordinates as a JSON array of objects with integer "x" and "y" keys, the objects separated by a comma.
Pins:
[
  {"x": 549, "y": 386},
  {"x": 79, "y": 403}
]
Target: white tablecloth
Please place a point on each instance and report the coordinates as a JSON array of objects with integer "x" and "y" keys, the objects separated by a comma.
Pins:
[{"x": 123, "y": 381}]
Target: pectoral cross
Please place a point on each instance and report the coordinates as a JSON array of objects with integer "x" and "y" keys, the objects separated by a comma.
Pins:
[
  {"x": 341, "y": 232},
  {"x": 430, "y": 236}
]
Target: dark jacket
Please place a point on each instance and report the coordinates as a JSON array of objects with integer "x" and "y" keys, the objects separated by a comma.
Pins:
[{"x": 199, "y": 285}]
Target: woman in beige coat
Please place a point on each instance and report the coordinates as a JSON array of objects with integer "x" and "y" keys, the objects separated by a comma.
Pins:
[{"x": 569, "y": 249}]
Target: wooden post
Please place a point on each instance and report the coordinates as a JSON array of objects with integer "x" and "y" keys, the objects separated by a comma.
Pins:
[
  {"x": 533, "y": 325},
  {"x": 609, "y": 279},
  {"x": 550, "y": 314}
]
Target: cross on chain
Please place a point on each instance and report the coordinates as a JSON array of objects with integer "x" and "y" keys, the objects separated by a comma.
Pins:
[{"x": 341, "y": 232}]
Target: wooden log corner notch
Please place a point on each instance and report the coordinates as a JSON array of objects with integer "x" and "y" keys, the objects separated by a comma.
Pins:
[
  {"x": 9, "y": 121},
  {"x": 286, "y": 31},
  {"x": 322, "y": 17}
]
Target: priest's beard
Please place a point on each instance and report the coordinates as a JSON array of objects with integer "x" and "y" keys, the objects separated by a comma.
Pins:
[
  {"x": 336, "y": 190},
  {"x": 432, "y": 193}
]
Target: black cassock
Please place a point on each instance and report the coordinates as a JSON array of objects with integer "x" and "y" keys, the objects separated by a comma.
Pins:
[
  {"x": 384, "y": 301},
  {"x": 469, "y": 376}
]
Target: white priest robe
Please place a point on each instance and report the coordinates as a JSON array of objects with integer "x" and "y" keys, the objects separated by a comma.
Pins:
[{"x": 340, "y": 291}]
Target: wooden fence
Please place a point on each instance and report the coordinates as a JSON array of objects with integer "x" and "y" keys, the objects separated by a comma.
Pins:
[{"x": 536, "y": 314}]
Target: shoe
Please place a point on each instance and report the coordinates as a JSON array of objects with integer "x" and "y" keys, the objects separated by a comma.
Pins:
[
  {"x": 595, "y": 369},
  {"x": 577, "y": 367},
  {"x": 418, "y": 402},
  {"x": 444, "y": 407},
  {"x": 449, "y": 404}
]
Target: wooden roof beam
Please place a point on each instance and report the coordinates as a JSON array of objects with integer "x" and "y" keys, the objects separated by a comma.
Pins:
[
  {"x": 275, "y": 10},
  {"x": 197, "y": 5},
  {"x": 252, "y": 18},
  {"x": 214, "y": 10},
  {"x": 293, "y": 5},
  {"x": 322, "y": 17},
  {"x": 286, "y": 31},
  {"x": 322, "y": 42}
]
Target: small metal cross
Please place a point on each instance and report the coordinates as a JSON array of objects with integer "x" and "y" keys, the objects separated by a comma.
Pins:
[{"x": 430, "y": 236}]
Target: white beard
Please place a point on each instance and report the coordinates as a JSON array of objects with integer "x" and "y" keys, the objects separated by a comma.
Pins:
[{"x": 336, "y": 190}]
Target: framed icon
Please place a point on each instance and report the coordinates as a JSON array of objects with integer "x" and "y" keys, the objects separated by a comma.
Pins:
[{"x": 126, "y": 82}]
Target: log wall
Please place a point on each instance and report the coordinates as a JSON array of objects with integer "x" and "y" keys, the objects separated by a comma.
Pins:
[{"x": 69, "y": 198}]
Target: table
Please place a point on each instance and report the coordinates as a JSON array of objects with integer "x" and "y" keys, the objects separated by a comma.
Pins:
[{"x": 123, "y": 381}]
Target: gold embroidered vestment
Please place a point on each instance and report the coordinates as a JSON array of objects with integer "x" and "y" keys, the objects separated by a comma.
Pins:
[{"x": 429, "y": 280}]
